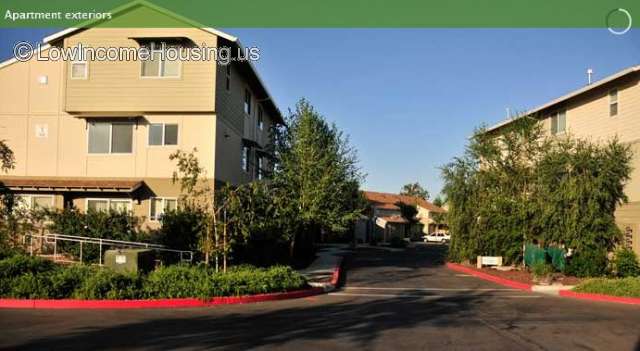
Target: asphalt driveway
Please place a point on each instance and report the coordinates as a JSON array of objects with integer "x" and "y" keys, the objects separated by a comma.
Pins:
[{"x": 403, "y": 300}]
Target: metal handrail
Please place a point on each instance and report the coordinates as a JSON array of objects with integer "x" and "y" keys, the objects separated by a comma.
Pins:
[{"x": 185, "y": 255}]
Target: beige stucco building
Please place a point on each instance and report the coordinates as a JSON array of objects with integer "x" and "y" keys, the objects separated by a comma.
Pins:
[
  {"x": 600, "y": 111},
  {"x": 385, "y": 219},
  {"x": 99, "y": 133}
]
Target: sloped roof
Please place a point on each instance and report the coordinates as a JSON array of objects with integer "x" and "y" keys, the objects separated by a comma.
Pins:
[
  {"x": 568, "y": 96},
  {"x": 395, "y": 219},
  {"x": 379, "y": 198}
]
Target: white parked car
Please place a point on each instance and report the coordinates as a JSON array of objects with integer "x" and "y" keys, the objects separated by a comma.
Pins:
[{"x": 437, "y": 238}]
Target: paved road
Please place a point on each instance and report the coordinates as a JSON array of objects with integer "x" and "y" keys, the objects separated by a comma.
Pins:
[{"x": 390, "y": 301}]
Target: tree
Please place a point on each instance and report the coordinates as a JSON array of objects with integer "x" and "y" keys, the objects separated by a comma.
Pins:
[
  {"x": 415, "y": 190},
  {"x": 519, "y": 186},
  {"x": 316, "y": 175},
  {"x": 7, "y": 160},
  {"x": 438, "y": 217}
]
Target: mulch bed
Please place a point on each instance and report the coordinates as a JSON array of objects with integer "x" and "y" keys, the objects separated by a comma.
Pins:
[{"x": 523, "y": 276}]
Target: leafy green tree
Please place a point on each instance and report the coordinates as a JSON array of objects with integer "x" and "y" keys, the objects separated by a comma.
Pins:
[
  {"x": 317, "y": 176},
  {"x": 7, "y": 160},
  {"x": 438, "y": 217},
  {"x": 415, "y": 190},
  {"x": 518, "y": 186}
]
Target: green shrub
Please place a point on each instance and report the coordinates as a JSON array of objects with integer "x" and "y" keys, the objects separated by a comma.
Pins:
[
  {"x": 20, "y": 264},
  {"x": 64, "y": 282},
  {"x": 30, "y": 286},
  {"x": 625, "y": 263},
  {"x": 108, "y": 284},
  {"x": 542, "y": 269},
  {"x": 588, "y": 263},
  {"x": 397, "y": 242},
  {"x": 179, "y": 281},
  {"x": 629, "y": 287}
]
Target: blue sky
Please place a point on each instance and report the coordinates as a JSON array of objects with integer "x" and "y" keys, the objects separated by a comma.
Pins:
[{"x": 409, "y": 98}]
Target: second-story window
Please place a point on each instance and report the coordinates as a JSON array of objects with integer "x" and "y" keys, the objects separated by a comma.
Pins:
[
  {"x": 163, "y": 134},
  {"x": 260, "y": 118},
  {"x": 613, "y": 102},
  {"x": 247, "y": 102},
  {"x": 245, "y": 159},
  {"x": 162, "y": 62},
  {"x": 79, "y": 70},
  {"x": 110, "y": 137},
  {"x": 559, "y": 122}
]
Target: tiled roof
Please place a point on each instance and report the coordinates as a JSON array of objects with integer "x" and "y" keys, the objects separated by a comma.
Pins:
[
  {"x": 71, "y": 184},
  {"x": 380, "y": 199}
]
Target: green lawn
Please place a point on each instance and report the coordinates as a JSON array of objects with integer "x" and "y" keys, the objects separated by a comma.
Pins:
[{"x": 629, "y": 287}]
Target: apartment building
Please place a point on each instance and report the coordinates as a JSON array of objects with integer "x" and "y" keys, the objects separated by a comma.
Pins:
[
  {"x": 385, "y": 218},
  {"x": 98, "y": 134},
  {"x": 598, "y": 112}
]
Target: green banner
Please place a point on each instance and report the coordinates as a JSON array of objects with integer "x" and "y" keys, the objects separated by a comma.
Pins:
[{"x": 619, "y": 15}]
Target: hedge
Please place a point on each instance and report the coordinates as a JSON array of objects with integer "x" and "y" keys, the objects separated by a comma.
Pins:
[
  {"x": 32, "y": 277},
  {"x": 627, "y": 287}
]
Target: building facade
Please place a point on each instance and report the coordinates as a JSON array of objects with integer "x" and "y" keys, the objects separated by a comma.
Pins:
[
  {"x": 599, "y": 112},
  {"x": 98, "y": 134},
  {"x": 385, "y": 219}
]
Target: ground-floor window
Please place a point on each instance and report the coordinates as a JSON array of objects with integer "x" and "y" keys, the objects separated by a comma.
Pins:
[
  {"x": 34, "y": 201},
  {"x": 120, "y": 205},
  {"x": 160, "y": 205}
]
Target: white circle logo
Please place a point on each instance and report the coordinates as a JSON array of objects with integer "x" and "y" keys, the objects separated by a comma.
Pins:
[{"x": 625, "y": 13}]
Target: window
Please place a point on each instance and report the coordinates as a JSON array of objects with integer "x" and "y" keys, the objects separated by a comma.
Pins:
[
  {"x": 79, "y": 70},
  {"x": 110, "y": 138},
  {"x": 613, "y": 102},
  {"x": 163, "y": 134},
  {"x": 259, "y": 170},
  {"x": 103, "y": 205},
  {"x": 160, "y": 205},
  {"x": 260, "y": 118},
  {"x": 228, "y": 77},
  {"x": 159, "y": 64},
  {"x": 558, "y": 122},
  {"x": 247, "y": 101},
  {"x": 31, "y": 202},
  {"x": 245, "y": 159}
]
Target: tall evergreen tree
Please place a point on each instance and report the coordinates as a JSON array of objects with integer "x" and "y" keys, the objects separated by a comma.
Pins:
[{"x": 415, "y": 190}]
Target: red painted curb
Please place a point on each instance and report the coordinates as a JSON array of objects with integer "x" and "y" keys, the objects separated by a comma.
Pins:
[
  {"x": 166, "y": 303},
  {"x": 489, "y": 277},
  {"x": 158, "y": 303},
  {"x": 600, "y": 297}
]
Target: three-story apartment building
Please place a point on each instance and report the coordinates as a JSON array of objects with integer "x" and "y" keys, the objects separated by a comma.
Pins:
[
  {"x": 600, "y": 111},
  {"x": 98, "y": 134}
]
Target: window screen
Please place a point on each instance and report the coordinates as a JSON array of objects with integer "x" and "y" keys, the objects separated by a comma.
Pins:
[
  {"x": 171, "y": 134},
  {"x": 155, "y": 134},
  {"x": 99, "y": 138},
  {"x": 122, "y": 138}
]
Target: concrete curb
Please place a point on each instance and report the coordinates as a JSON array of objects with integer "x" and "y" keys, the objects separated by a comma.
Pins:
[
  {"x": 492, "y": 278},
  {"x": 600, "y": 297}
]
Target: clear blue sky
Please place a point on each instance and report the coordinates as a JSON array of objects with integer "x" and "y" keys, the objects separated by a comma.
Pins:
[{"x": 410, "y": 98}]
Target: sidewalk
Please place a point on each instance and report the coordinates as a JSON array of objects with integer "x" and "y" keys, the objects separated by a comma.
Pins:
[{"x": 324, "y": 271}]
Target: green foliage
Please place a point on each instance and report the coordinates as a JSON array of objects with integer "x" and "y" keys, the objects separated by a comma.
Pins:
[
  {"x": 415, "y": 190},
  {"x": 629, "y": 287},
  {"x": 625, "y": 263},
  {"x": 541, "y": 269},
  {"x": 182, "y": 229},
  {"x": 588, "y": 263},
  {"x": 179, "y": 281},
  {"x": 111, "y": 285},
  {"x": 116, "y": 225},
  {"x": 517, "y": 186},
  {"x": 26, "y": 277},
  {"x": 7, "y": 158},
  {"x": 397, "y": 242},
  {"x": 317, "y": 176}
]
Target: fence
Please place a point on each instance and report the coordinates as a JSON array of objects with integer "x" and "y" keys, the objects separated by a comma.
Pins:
[
  {"x": 555, "y": 255},
  {"x": 52, "y": 239}
]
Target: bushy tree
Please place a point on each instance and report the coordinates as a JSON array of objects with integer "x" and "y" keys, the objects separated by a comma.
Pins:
[
  {"x": 317, "y": 173},
  {"x": 7, "y": 160},
  {"x": 518, "y": 186},
  {"x": 415, "y": 190}
]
